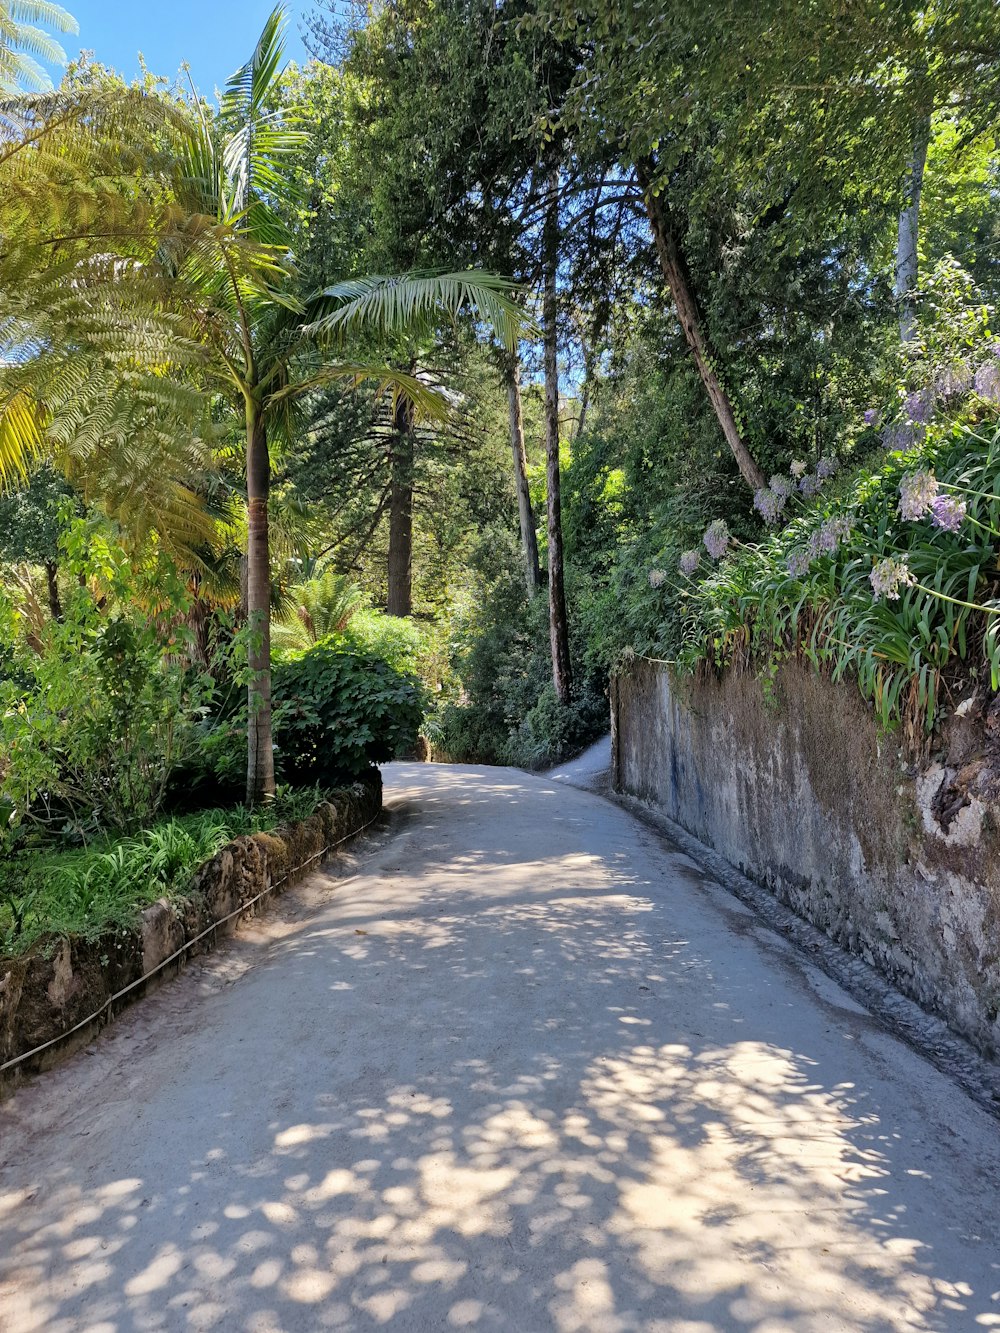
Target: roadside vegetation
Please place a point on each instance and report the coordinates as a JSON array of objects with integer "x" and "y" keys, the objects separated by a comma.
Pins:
[{"x": 390, "y": 404}]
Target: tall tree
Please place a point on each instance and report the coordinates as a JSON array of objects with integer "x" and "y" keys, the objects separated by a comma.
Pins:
[
  {"x": 525, "y": 512},
  {"x": 562, "y": 679},
  {"x": 267, "y": 345}
]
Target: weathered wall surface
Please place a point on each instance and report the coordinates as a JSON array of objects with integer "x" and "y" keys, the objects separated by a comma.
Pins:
[
  {"x": 61, "y": 982},
  {"x": 805, "y": 796}
]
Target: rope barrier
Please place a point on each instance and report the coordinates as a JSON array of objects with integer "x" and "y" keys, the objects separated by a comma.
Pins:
[{"x": 244, "y": 907}]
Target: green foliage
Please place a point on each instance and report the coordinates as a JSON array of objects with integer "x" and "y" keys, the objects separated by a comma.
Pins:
[
  {"x": 753, "y": 608},
  {"x": 45, "y": 891},
  {"x": 96, "y": 716},
  {"x": 314, "y": 610},
  {"x": 509, "y": 713},
  {"x": 339, "y": 712},
  {"x": 401, "y": 643}
]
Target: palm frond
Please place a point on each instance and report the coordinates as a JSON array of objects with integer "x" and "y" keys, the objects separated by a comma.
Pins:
[
  {"x": 427, "y": 401},
  {"x": 415, "y": 303},
  {"x": 23, "y": 44}
]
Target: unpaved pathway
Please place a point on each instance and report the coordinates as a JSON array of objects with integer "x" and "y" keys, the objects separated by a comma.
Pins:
[{"x": 527, "y": 1071}]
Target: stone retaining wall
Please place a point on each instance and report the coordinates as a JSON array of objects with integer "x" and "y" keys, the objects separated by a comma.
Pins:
[
  {"x": 45, "y": 992},
  {"x": 899, "y": 863}
]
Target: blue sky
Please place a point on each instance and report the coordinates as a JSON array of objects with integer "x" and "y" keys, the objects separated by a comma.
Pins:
[{"x": 214, "y": 36}]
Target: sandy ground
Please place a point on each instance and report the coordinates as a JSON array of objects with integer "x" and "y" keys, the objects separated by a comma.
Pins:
[{"x": 528, "y": 1069}]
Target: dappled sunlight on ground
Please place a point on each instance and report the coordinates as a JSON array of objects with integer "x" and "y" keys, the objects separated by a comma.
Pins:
[{"x": 528, "y": 1078}]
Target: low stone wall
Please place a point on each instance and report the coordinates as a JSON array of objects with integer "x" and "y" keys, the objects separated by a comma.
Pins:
[
  {"x": 899, "y": 863},
  {"x": 58, "y": 984}
]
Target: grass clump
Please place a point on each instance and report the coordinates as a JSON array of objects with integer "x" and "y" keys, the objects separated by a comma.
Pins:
[{"x": 86, "y": 891}]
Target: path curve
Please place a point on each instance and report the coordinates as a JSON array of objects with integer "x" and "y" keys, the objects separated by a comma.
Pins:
[{"x": 528, "y": 1070}]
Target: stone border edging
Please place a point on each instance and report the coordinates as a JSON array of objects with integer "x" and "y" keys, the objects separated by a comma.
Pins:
[
  {"x": 927, "y": 1034},
  {"x": 53, "y": 1001}
]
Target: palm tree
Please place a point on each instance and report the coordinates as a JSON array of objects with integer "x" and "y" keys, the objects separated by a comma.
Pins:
[
  {"x": 137, "y": 295},
  {"x": 23, "y": 43},
  {"x": 85, "y": 336},
  {"x": 266, "y": 346}
]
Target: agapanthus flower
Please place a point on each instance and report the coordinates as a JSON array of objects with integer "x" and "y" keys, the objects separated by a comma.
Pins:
[
  {"x": 919, "y": 406},
  {"x": 797, "y": 561},
  {"x": 888, "y": 576},
  {"x": 826, "y": 468},
  {"x": 781, "y": 485},
  {"x": 917, "y": 492},
  {"x": 834, "y": 531},
  {"x": 769, "y": 503},
  {"x": 689, "y": 562},
  {"x": 953, "y": 379},
  {"x": 948, "y": 512},
  {"x": 657, "y": 578},
  {"x": 797, "y": 468},
  {"x": 810, "y": 484},
  {"x": 988, "y": 378},
  {"x": 717, "y": 538},
  {"x": 871, "y": 417},
  {"x": 902, "y": 435}
]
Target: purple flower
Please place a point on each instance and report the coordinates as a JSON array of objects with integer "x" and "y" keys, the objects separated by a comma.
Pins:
[
  {"x": 657, "y": 578},
  {"x": 902, "y": 435},
  {"x": 834, "y": 531},
  {"x": 717, "y": 538},
  {"x": 948, "y": 513},
  {"x": 988, "y": 378},
  {"x": 769, "y": 504},
  {"x": 781, "y": 485},
  {"x": 689, "y": 562},
  {"x": 826, "y": 468},
  {"x": 919, "y": 406},
  {"x": 917, "y": 492},
  {"x": 888, "y": 576},
  {"x": 810, "y": 484},
  {"x": 797, "y": 561},
  {"x": 871, "y": 417},
  {"x": 953, "y": 379}
]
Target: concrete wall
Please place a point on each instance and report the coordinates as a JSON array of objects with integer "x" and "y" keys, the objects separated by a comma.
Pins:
[
  {"x": 61, "y": 982},
  {"x": 899, "y": 863}
]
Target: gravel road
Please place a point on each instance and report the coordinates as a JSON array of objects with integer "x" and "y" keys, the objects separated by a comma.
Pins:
[{"x": 525, "y": 1068}]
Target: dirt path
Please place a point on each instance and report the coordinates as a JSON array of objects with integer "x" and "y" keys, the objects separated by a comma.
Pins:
[{"x": 528, "y": 1070}]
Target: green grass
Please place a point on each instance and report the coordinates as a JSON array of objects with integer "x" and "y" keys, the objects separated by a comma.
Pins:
[{"x": 88, "y": 890}]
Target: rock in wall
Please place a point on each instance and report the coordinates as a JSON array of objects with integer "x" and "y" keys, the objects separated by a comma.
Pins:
[{"x": 799, "y": 789}]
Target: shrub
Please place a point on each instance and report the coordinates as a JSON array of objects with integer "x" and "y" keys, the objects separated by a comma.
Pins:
[
  {"x": 338, "y": 713},
  {"x": 95, "y": 723},
  {"x": 552, "y": 732},
  {"x": 818, "y": 588}
]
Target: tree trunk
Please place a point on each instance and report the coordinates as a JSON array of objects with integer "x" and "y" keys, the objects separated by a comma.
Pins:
[
  {"x": 529, "y": 538},
  {"x": 675, "y": 271},
  {"x": 909, "y": 219},
  {"x": 558, "y": 623},
  {"x": 55, "y": 603},
  {"x": 260, "y": 742},
  {"x": 401, "y": 511}
]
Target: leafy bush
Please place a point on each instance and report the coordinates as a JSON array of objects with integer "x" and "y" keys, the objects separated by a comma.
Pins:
[
  {"x": 509, "y": 713},
  {"x": 94, "y": 721},
  {"x": 552, "y": 732},
  {"x": 401, "y": 643},
  {"x": 339, "y": 712}
]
